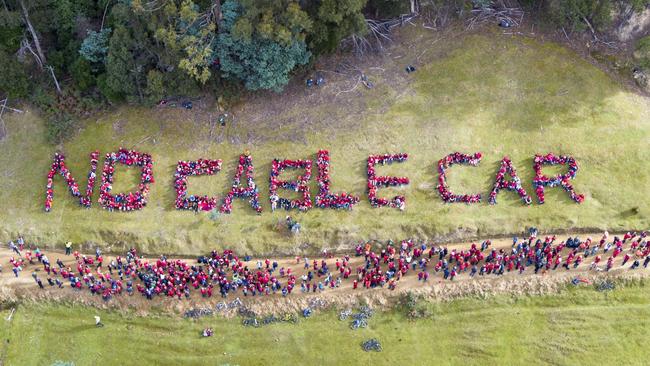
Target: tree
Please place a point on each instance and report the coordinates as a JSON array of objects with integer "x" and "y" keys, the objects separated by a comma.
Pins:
[
  {"x": 63, "y": 20},
  {"x": 333, "y": 21},
  {"x": 393, "y": 8},
  {"x": 155, "y": 86},
  {"x": 32, "y": 31},
  {"x": 120, "y": 65},
  {"x": 94, "y": 47},
  {"x": 281, "y": 21},
  {"x": 192, "y": 33},
  {"x": 261, "y": 46},
  {"x": 81, "y": 73}
]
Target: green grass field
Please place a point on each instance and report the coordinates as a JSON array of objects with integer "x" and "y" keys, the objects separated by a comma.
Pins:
[
  {"x": 491, "y": 93},
  {"x": 494, "y": 94},
  {"x": 578, "y": 326}
]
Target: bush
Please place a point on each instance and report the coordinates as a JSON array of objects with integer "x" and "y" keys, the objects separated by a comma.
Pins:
[
  {"x": 62, "y": 112},
  {"x": 13, "y": 78},
  {"x": 10, "y": 38},
  {"x": 177, "y": 82},
  {"x": 155, "y": 90},
  {"x": 642, "y": 52},
  {"x": 82, "y": 74},
  {"x": 107, "y": 92},
  {"x": 388, "y": 8},
  {"x": 334, "y": 20},
  {"x": 414, "y": 308},
  {"x": 59, "y": 127},
  {"x": 95, "y": 46},
  {"x": 572, "y": 13}
]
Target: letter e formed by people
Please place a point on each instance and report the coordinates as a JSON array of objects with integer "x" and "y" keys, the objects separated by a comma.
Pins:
[{"x": 375, "y": 182}]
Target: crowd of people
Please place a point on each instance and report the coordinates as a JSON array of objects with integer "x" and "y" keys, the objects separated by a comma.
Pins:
[
  {"x": 384, "y": 266},
  {"x": 541, "y": 181},
  {"x": 137, "y": 200},
  {"x": 184, "y": 169},
  {"x": 375, "y": 182},
  {"x": 325, "y": 199},
  {"x": 301, "y": 185},
  {"x": 444, "y": 164},
  {"x": 131, "y": 201},
  {"x": 251, "y": 192},
  {"x": 58, "y": 166},
  {"x": 514, "y": 184}
]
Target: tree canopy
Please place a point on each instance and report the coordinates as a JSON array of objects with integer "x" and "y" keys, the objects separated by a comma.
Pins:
[{"x": 84, "y": 54}]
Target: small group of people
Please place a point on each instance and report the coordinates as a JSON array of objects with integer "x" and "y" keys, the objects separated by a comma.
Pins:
[
  {"x": 375, "y": 182},
  {"x": 325, "y": 199},
  {"x": 514, "y": 184},
  {"x": 184, "y": 169},
  {"x": 375, "y": 266},
  {"x": 58, "y": 166},
  {"x": 293, "y": 226},
  {"x": 130, "y": 201},
  {"x": 301, "y": 185},
  {"x": 443, "y": 188},
  {"x": 251, "y": 192},
  {"x": 541, "y": 181}
]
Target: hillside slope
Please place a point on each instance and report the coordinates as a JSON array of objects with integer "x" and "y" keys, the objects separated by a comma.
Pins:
[{"x": 490, "y": 93}]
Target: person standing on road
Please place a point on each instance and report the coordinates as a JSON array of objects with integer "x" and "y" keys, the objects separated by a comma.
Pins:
[
  {"x": 13, "y": 247},
  {"x": 68, "y": 248}
]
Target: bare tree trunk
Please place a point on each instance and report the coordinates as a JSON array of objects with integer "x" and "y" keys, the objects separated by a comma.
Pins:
[
  {"x": 5, "y": 5},
  {"x": 37, "y": 43},
  {"x": 216, "y": 9},
  {"x": 101, "y": 28},
  {"x": 56, "y": 82}
]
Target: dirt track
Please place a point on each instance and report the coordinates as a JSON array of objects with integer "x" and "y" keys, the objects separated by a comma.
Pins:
[{"x": 24, "y": 288}]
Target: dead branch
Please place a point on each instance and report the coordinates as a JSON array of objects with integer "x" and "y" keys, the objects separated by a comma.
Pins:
[
  {"x": 26, "y": 46},
  {"x": 56, "y": 82},
  {"x": 593, "y": 32},
  {"x": 3, "y": 127},
  {"x": 37, "y": 43},
  {"x": 351, "y": 89},
  {"x": 567, "y": 37},
  {"x": 379, "y": 34},
  {"x": 497, "y": 13},
  {"x": 101, "y": 28}
]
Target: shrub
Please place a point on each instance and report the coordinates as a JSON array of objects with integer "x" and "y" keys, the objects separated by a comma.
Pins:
[
  {"x": 95, "y": 46},
  {"x": 82, "y": 74},
  {"x": 155, "y": 90},
  {"x": 573, "y": 13},
  {"x": 642, "y": 52},
  {"x": 59, "y": 127},
  {"x": 388, "y": 8},
  {"x": 13, "y": 78}
]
